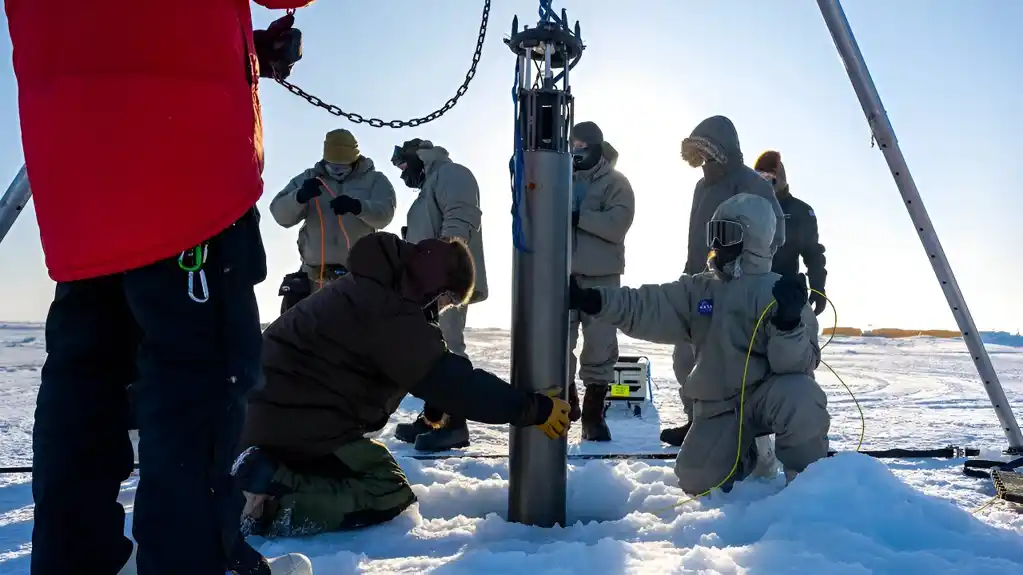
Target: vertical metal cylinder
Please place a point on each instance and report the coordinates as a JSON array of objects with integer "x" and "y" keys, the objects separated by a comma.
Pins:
[
  {"x": 541, "y": 215},
  {"x": 539, "y": 354},
  {"x": 13, "y": 202}
]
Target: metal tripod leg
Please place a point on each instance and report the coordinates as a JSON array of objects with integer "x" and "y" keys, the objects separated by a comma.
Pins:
[
  {"x": 884, "y": 134},
  {"x": 13, "y": 202}
]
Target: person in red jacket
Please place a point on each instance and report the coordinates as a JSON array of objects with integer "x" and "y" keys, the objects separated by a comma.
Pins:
[{"x": 143, "y": 143}]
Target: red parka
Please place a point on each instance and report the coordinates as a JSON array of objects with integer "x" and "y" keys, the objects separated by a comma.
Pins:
[{"x": 140, "y": 122}]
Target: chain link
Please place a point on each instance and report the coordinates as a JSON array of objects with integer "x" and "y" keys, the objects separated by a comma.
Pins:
[{"x": 378, "y": 123}]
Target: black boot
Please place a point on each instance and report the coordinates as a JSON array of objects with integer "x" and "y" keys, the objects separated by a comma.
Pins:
[
  {"x": 573, "y": 402},
  {"x": 253, "y": 472},
  {"x": 594, "y": 426},
  {"x": 454, "y": 434},
  {"x": 408, "y": 432},
  {"x": 675, "y": 435}
]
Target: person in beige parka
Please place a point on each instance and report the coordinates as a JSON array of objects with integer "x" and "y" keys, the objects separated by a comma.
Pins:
[
  {"x": 447, "y": 207},
  {"x": 338, "y": 201},
  {"x": 603, "y": 208},
  {"x": 717, "y": 312}
]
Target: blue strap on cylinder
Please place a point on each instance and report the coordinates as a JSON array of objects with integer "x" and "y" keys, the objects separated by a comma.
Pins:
[{"x": 518, "y": 235}]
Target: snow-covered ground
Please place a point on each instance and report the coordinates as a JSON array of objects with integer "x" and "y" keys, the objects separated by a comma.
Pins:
[{"x": 849, "y": 514}]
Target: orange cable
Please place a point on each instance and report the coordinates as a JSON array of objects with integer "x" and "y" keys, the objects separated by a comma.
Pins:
[{"x": 340, "y": 222}]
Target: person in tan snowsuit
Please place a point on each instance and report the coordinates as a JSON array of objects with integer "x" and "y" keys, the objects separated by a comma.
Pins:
[
  {"x": 338, "y": 201},
  {"x": 448, "y": 206},
  {"x": 603, "y": 207},
  {"x": 713, "y": 146},
  {"x": 717, "y": 312}
]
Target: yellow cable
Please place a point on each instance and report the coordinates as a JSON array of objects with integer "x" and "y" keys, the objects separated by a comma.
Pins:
[
  {"x": 863, "y": 419},
  {"x": 987, "y": 504},
  {"x": 742, "y": 401},
  {"x": 999, "y": 494}
]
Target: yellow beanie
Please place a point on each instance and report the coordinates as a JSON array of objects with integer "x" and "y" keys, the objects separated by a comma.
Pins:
[{"x": 340, "y": 147}]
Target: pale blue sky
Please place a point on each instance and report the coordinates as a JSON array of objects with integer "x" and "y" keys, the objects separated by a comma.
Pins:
[{"x": 950, "y": 74}]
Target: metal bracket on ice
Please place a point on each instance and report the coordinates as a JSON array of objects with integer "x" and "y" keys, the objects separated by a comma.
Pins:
[
  {"x": 1008, "y": 484},
  {"x": 1003, "y": 473},
  {"x": 987, "y": 466}
]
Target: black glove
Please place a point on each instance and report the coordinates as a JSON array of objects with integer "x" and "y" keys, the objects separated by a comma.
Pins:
[
  {"x": 346, "y": 205},
  {"x": 575, "y": 219},
  {"x": 819, "y": 302},
  {"x": 790, "y": 297},
  {"x": 278, "y": 47},
  {"x": 586, "y": 300},
  {"x": 309, "y": 190}
]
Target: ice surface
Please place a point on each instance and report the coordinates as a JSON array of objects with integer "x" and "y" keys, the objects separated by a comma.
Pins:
[{"x": 846, "y": 515}]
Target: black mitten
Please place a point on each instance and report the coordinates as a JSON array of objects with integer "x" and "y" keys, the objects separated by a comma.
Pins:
[
  {"x": 790, "y": 298},
  {"x": 278, "y": 47},
  {"x": 818, "y": 301},
  {"x": 346, "y": 205},
  {"x": 586, "y": 300},
  {"x": 309, "y": 190}
]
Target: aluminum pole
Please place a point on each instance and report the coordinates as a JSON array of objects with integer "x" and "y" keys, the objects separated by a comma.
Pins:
[
  {"x": 884, "y": 134},
  {"x": 13, "y": 202},
  {"x": 542, "y": 184}
]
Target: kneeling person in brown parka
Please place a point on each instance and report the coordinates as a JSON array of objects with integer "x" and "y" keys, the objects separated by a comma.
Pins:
[{"x": 338, "y": 364}]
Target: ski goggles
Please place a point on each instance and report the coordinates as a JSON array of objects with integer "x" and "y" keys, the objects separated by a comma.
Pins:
[
  {"x": 696, "y": 151},
  {"x": 579, "y": 149},
  {"x": 396, "y": 156},
  {"x": 723, "y": 233},
  {"x": 769, "y": 177},
  {"x": 400, "y": 153}
]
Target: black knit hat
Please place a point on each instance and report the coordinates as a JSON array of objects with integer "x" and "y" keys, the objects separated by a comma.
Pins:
[{"x": 588, "y": 133}]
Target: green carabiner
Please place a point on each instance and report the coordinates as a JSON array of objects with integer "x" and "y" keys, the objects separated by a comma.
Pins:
[{"x": 199, "y": 255}]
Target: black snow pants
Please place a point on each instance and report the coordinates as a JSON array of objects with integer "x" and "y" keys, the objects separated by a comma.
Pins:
[{"x": 190, "y": 365}]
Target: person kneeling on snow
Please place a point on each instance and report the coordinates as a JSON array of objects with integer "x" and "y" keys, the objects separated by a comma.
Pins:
[
  {"x": 717, "y": 311},
  {"x": 338, "y": 364}
]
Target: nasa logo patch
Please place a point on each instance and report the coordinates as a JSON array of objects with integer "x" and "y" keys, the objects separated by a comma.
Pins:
[{"x": 705, "y": 307}]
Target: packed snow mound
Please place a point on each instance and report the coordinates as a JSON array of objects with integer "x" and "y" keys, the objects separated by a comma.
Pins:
[{"x": 845, "y": 515}]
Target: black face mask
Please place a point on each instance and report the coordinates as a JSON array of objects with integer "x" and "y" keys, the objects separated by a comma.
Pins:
[
  {"x": 585, "y": 158},
  {"x": 725, "y": 255},
  {"x": 414, "y": 173},
  {"x": 713, "y": 170}
]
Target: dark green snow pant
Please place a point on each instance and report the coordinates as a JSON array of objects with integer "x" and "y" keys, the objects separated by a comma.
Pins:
[{"x": 360, "y": 485}]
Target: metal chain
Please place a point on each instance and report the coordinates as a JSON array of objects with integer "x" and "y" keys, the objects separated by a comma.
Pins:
[{"x": 378, "y": 123}]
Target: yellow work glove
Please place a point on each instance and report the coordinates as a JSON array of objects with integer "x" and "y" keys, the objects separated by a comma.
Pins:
[{"x": 557, "y": 422}]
